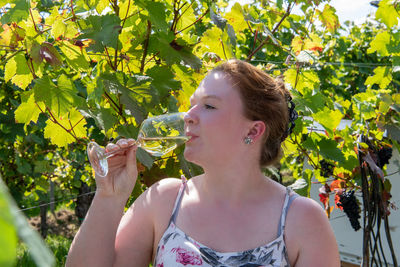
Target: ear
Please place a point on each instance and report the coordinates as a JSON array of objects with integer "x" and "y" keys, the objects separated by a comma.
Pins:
[{"x": 257, "y": 130}]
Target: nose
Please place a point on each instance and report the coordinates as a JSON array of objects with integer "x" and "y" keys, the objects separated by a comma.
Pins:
[{"x": 190, "y": 117}]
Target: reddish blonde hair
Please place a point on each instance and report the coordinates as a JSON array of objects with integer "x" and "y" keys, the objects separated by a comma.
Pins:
[{"x": 264, "y": 99}]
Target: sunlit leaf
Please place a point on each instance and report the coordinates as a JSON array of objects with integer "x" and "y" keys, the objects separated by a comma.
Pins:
[
  {"x": 329, "y": 18},
  {"x": 382, "y": 77},
  {"x": 17, "y": 70},
  {"x": 28, "y": 111},
  {"x": 379, "y": 44},
  {"x": 73, "y": 121},
  {"x": 330, "y": 119},
  {"x": 387, "y": 13},
  {"x": 75, "y": 56},
  {"x": 302, "y": 81},
  {"x": 59, "y": 98},
  {"x": 236, "y": 18}
]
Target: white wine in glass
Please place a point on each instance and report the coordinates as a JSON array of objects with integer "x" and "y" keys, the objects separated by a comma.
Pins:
[{"x": 157, "y": 135}]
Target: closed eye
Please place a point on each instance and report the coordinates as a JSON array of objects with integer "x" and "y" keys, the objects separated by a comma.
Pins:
[{"x": 208, "y": 106}]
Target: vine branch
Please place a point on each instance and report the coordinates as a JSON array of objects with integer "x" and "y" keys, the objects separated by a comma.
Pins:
[
  {"x": 145, "y": 46},
  {"x": 200, "y": 18},
  {"x": 287, "y": 13}
]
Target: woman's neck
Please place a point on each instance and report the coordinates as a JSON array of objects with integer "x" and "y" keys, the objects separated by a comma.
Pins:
[{"x": 234, "y": 182}]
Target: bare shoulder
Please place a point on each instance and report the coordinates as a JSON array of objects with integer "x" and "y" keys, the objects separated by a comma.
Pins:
[
  {"x": 309, "y": 235},
  {"x": 162, "y": 193},
  {"x": 306, "y": 210},
  {"x": 142, "y": 222}
]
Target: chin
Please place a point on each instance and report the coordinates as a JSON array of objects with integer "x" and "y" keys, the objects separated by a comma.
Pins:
[{"x": 191, "y": 156}]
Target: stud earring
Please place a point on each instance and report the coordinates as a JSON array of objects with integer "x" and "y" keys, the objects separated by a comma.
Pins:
[{"x": 248, "y": 140}]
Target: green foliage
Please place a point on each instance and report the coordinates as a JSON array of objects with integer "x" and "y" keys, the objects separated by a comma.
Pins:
[
  {"x": 80, "y": 70},
  {"x": 58, "y": 245},
  {"x": 13, "y": 222}
]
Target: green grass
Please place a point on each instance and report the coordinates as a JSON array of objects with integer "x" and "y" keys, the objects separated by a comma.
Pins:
[{"x": 59, "y": 246}]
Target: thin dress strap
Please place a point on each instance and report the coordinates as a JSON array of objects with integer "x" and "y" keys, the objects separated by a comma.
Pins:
[
  {"x": 290, "y": 196},
  {"x": 178, "y": 200}
]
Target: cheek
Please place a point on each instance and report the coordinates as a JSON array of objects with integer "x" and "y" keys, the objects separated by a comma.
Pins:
[{"x": 224, "y": 129}]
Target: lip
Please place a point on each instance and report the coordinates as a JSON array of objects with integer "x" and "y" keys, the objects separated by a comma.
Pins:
[{"x": 192, "y": 136}]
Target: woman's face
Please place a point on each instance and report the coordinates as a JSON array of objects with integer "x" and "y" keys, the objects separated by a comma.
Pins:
[{"x": 215, "y": 121}]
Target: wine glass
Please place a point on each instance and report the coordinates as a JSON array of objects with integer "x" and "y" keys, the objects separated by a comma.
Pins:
[{"x": 157, "y": 135}]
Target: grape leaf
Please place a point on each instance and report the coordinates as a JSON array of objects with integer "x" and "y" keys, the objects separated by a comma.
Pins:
[
  {"x": 75, "y": 56},
  {"x": 28, "y": 111},
  {"x": 387, "y": 13},
  {"x": 17, "y": 13},
  {"x": 328, "y": 149},
  {"x": 217, "y": 41},
  {"x": 329, "y": 18},
  {"x": 74, "y": 122},
  {"x": 18, "y": 71},
  {"x": 186, "y": 19},
  {"x": 330, "y": 119},
  {"x": 34, "y": 52},
  {"x": 58, "y": 28},
  {"x": 163, "y": 80},
  {"x": 304, "y": 81},
  {"x": 11, "y": 35},
  {"x": 315, "y": 102},
  {"x": 49, "y": 53},
  {"x": 219, "y": 21},
  {"x": 144, "y": 158},
  {"x": 102, "y": 4},
  {"x": 156, "y": 13},
  {"x": 113, "y": 85},
  {"x": 236, "y": 18},
  {"x": 302, "y": 185},
  {"x": 104, "y": 30},
  {"x": 59, "y": 98},
  {"x": 382, "y": 77},
  {"x": 380, "y": 43},
  {"x": 160, "y": 42}
]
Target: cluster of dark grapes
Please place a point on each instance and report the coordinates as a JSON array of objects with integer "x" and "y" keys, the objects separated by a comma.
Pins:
[
  {"x": 350, "y": 206},
  {"x": 326, "y": 168},
  {"x": 384, "y": 155}
]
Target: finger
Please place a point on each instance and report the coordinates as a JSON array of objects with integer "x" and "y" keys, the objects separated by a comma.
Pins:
[
  {"x": 116, "y": 160},
  {"x": 123, "y": 143},
  {"x": 111, "y": 147},
  {"x": 131, "y": 165}
]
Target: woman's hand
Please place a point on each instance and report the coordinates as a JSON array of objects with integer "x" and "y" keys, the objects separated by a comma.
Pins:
[{"x": 122, "y": 171}]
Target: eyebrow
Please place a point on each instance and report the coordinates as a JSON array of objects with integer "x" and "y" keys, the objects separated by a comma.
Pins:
[{"x": 207, "y": 96}]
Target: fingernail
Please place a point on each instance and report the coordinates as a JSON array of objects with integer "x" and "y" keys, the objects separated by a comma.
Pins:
[{"x": 123, "y": 143}]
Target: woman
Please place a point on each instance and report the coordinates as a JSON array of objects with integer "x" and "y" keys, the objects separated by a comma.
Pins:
[{"x": 232, "y": 215}]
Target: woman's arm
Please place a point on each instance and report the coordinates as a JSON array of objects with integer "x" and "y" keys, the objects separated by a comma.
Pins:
[
  {"x": 94, "y": 243},
  {"x": 310, "y": 238}
]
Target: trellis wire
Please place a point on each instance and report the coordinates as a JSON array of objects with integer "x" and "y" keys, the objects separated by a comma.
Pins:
[{"x": 59, "y": 200}]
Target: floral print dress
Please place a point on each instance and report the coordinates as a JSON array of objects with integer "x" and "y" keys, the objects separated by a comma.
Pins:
[{"x": 177, "y": 249}]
